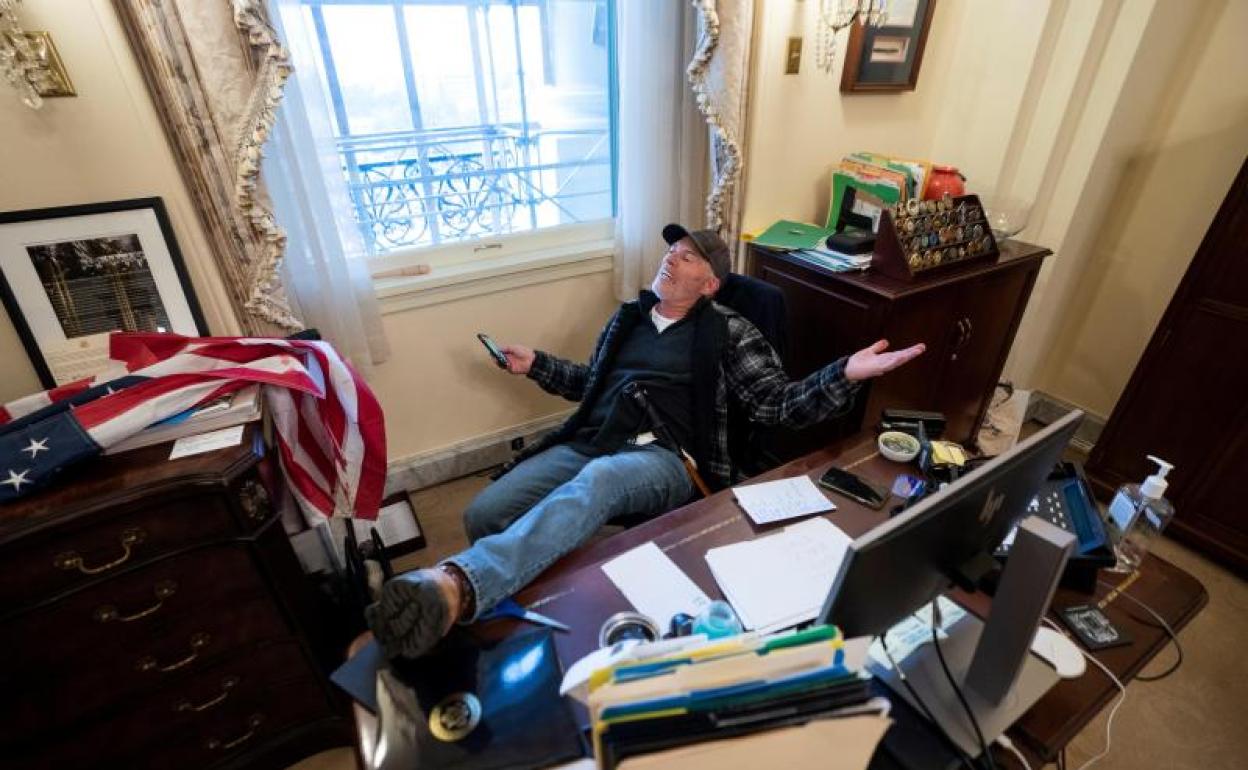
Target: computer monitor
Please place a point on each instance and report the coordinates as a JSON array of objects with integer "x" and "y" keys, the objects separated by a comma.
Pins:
[
  {"x": 946, "y": 538},
  {"x": 897, "y": 567}
]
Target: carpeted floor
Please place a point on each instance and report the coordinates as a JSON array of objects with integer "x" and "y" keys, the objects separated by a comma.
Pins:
[{"x": 1192, "y": 719}]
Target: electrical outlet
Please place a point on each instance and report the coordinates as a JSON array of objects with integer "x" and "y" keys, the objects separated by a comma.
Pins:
[
  {"x": 517, "y": 443},
  {"x": 793, "y": 57}
]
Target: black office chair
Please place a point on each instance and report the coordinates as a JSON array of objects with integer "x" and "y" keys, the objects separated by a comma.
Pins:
[{"x": 751, "y": 446}]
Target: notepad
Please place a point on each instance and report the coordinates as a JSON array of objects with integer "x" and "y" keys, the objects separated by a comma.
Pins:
[
  {"x": 780, "y": 580},
  {"x": 774, "y": 501}
]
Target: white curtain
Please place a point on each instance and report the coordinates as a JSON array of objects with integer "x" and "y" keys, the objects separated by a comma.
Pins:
[
  {"x": 662, "y": 138},
  {"x": 325, "y": 271}
]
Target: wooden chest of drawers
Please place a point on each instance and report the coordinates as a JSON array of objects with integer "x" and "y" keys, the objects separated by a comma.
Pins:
[{"x": 152, "y": 614}]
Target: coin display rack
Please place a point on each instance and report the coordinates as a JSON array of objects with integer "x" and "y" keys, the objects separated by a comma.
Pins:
[{"x": 917, "y": 237}]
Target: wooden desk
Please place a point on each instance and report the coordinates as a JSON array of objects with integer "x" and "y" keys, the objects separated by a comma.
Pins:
[{"x": 576, "y": 591}]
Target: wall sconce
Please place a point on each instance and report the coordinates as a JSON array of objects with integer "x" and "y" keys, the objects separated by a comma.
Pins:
[
  {"x": 29, "y": 61},
  {"x": 836, "y": 15}
]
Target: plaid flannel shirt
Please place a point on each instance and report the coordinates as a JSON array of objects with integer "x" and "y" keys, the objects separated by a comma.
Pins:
[{"x": 750, "y": 373}]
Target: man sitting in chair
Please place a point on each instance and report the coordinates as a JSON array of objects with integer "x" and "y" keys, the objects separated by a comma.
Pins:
[{"x": 688, "y": 355}]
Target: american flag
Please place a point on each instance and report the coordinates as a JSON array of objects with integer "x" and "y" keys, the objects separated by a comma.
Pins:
[{"x": 331, "y": 435}]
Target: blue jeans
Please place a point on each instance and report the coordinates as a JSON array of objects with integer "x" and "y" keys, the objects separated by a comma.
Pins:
[{"x": 553, "y": 502}]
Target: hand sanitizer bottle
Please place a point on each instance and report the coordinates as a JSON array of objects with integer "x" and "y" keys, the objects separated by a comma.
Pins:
[{"x": 1137, "y": 514}]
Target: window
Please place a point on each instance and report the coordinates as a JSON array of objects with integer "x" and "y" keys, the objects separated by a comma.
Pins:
[{"x": 461, "y": 120}]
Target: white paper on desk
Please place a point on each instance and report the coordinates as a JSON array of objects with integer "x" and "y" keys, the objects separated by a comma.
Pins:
[
  {"x": 914, "y": 631},
  {"x": 780, "y": 580},
  {"x": 654, "y": 585},
  {"x": 784, "y": 499},
  {"x": 207, "y": 442}
]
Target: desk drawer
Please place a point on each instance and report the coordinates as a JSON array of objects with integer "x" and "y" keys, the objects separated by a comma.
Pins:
[
  {"x": 41, "y": 699},
  {"x": 124, "y": 611},
  {"x": 38, "y": 568},
  {"x": 252, "y": 680}
]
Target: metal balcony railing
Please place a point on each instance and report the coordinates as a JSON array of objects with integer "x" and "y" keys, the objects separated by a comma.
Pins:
[{"x": 419, "y": 188}]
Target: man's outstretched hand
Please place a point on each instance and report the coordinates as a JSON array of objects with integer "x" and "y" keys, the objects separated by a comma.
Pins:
[
  {"x": 519, "y": 358},
  {"x": 873, "y": 361}
]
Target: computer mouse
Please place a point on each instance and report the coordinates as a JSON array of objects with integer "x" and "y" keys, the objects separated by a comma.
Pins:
[{"x": 1060, "y": 652}]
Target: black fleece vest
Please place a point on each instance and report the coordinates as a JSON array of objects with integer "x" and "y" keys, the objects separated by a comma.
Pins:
[{"x": 710, "y": 335}]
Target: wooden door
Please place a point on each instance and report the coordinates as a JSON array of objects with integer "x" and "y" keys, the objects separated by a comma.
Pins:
[{"x": 1187, "y": 400}]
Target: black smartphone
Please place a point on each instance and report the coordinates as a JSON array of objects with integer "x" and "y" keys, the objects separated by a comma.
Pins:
[
  {"x": 495, "y": 353},
  {"x": 854, "y": 488}
]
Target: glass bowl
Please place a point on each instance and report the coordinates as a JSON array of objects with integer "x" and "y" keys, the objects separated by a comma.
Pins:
[{"x": 1006, "y": 215}]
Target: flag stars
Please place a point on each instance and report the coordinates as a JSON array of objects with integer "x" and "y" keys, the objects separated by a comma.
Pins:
[
  {"x": 35, "y": 447},
  {"x": 17, "y": 479}
]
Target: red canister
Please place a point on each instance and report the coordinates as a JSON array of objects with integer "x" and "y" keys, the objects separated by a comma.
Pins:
[{"x": 945, "y": 179}]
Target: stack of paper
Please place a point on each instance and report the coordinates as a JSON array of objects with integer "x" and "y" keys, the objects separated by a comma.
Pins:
[
  {"x": 237, "y": 408},
  {"x": 740, "y": 688},
  {"x": 836, "y": 261},
  {"x": 780, "y": 580}
]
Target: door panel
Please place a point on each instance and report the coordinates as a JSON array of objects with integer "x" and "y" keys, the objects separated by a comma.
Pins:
[{"x": 1186, "y": 399}]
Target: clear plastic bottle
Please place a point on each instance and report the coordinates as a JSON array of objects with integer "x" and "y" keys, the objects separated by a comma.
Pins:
[
  {"x": 1138, "y": 513},
  {"x": 717, "y": 620}
]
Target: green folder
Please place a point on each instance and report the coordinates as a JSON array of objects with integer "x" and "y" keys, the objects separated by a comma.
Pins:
[
  {"x": 884, "y": 194},
  {"x": 793, "y": 235}
]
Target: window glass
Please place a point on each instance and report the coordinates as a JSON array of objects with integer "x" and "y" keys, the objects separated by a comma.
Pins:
[
  {"x": 368, "y": 67},
  {"x": 470, "y": 120}
]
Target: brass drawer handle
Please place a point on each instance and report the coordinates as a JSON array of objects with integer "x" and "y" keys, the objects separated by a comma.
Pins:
[
  {"x": 227, "y": 684},
  {"x": 130, "y": 537},
  {"x": 106, "y": 613},
  {"x": 253, "y": 723},
  {"x": 198, "y": 642}
]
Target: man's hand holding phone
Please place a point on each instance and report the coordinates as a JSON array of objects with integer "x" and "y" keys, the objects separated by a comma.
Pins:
[{"x": 516, "y": 359}]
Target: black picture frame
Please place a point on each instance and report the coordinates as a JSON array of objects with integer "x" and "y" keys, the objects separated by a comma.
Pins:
[
  {"x": 51, "y": 258},
  {"x": 886, "y": 59}
]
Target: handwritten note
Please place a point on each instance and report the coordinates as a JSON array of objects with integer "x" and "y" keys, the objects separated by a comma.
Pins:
[{"x": 774, "y": 501}]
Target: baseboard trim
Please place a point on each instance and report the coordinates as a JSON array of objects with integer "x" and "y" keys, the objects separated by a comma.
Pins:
[
  {"x": 424, "y": 469},
  {"x": 1045, "y": 409}
]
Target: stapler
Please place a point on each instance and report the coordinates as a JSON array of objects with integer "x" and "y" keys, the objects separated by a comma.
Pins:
[{"x": 909, "y": 420}]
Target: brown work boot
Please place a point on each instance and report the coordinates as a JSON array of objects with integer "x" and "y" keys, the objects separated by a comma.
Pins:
[{"x": 415, "y": 611}]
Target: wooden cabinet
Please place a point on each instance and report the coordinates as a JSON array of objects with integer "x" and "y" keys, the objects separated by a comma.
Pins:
[
  {"x": 153, "y": 614},
  {"x": 967, "y": 318}
]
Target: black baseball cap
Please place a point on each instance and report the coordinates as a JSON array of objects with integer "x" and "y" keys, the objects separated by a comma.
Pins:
[{"x": 709, "y": 245}]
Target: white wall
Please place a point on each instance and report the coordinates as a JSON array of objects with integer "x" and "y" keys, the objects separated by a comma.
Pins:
[
  {"x": 105, "y": 144},
  {"x": 1171, "y": 185},
  {"x": 1065, "y": 103}
]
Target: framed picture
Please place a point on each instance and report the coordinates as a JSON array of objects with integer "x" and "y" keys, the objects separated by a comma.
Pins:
[
  {"x": 886, "y": 59},
  {"x": 71, "y": 275}
]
